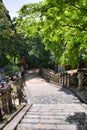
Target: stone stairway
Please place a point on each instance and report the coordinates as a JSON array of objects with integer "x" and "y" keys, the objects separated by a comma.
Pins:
[{"x": 54, "y": 117}]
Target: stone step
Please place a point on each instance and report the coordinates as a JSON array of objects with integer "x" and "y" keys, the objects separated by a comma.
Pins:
[
  {"x": 44, "y": 121},
  {"x": 44, "y": 107},
  {"x": 54, "y": 117},
  {"x": 46, "y": 127}
]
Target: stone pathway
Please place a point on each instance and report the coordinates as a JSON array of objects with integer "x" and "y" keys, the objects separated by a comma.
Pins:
[
  {"x": 38, "y": 91},
  {"x": 54, "y": 108},
  {"x": 54, "y": 117}
]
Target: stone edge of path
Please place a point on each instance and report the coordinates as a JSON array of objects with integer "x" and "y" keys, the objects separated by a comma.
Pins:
[
  {"x": 11, "y": 117},
  {"x": 77, "y": 95}
]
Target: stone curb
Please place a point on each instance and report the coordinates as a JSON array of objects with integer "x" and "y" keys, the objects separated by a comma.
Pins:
[
  {"x": 78, "y": 96},
  {"x": 11, "y": 117},
  {"x": 12, "y": 125}
]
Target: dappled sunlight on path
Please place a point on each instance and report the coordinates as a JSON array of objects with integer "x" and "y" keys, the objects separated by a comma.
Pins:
[{"x": 40, "y": 91}]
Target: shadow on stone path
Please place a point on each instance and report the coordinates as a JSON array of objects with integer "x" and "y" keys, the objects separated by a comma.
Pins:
[
  {"x": 40, "y": 92},
  {"x": 54, "y": 107}
]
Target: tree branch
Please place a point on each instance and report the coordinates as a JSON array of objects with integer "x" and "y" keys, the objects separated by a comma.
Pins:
[
  {"x": 73, "y": 26},
  {"x": 77, "y": 7}
]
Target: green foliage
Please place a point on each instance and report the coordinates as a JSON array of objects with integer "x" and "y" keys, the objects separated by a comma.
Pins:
[
  {"x": 5, "y": 25},
  {"x": 37, "y": 51},
  {"x": 34, "y": 49},
  {"x": 59, "y": 26},
  {"x": 3, "y": 60},
  {"x": 62, "y": 24},
  {"x": 10, "y": 69},
  {"x": 6, "y": 33}
]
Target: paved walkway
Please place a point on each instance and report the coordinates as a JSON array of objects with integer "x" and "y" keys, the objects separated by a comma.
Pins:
[
  {"x": 54, "y": 108},
  {"x": 40, "y": 92}
]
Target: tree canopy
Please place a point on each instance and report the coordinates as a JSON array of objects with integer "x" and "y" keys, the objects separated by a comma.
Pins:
[
  {"x": 6, "y": 32},
  {"x": 12, "y": 43},
  {"x": 62, "y": 24}
]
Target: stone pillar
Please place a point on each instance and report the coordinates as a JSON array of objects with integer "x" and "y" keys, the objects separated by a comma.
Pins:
[
  {"x": 9, "y": 101},
  {"x": 4, "y": 103},
  {"x": 1, "y": 117},
  {"x": 62, "y": 78},
  {"x": 65, "y": 80},
  {"x": 80, "y": 80},
  {"x": 19, "y": 92},
  {"x": 68, "y": 81},
  {"x": 3, "y": 91}
]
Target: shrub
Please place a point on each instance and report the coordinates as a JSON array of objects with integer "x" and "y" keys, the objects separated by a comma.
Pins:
[{"x": 11, "y": 69}]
